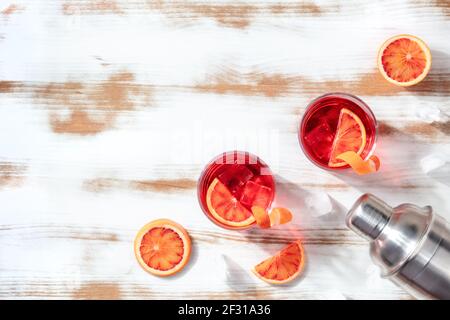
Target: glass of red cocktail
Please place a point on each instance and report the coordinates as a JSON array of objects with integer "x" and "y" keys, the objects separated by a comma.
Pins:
[
  {"x": 336, "y": 123},
  {"x": 231, "y": 184}
]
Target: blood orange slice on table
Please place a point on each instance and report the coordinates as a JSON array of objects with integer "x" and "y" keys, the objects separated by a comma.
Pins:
[
  {"x": 162, "y": 247},
  {"x": 350, "y": 136},
  {"x": 225, "y": 208},
  {"x": 284, "y": 266},
  {"x": 404, "y": 60}
]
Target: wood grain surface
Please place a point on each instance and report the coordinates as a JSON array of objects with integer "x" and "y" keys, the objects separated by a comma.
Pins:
[{"x": 109, "y": 110}]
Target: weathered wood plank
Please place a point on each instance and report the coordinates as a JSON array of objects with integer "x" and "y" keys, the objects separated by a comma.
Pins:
[
  {"x": 97, "y": 250},
  {"x": 109, "y": 110}
]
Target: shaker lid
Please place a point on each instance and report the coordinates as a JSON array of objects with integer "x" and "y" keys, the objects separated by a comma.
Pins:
[{"x": 368, "y": 216}]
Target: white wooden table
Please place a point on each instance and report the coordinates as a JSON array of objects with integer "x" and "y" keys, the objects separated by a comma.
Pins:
[{"x": 110, "y": 109}]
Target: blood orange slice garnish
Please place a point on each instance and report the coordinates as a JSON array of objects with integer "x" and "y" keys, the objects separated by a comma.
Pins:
[
  {"x": 225, "y": 208},
  {"x": 350, "y": 136},
  {"x": 284, "y": 266},
  {"x": 404, "y": 60},
  {"x": 162, "y": 247}
]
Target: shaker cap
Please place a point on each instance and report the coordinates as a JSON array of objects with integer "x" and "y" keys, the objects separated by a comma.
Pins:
[{"x": 368, "y": 216}]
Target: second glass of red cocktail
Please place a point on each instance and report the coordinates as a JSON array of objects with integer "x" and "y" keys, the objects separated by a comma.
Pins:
[
  {"x": 336, "y": 123},
  {"x": 231, "y": 184}
]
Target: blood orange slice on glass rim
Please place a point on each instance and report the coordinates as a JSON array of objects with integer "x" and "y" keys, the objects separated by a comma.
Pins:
[
  {"x": 225, "y": 208},
  {"x": 404, "y": 60},
  {"x": 284, "y": 266},
  {"x": 162, "y": 247},
  {"x": 350, "y": 136}
]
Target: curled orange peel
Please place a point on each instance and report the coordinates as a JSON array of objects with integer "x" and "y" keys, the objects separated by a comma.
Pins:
[
  {"x": 280, "y": 216},
  {"x": 277, "y": 216},
  {"x": 359, "y": 165},
  {"x": 261, "y": 216}
]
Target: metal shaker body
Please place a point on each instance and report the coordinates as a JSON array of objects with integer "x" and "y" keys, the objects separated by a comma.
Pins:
[{"x": 411, "y": 245}]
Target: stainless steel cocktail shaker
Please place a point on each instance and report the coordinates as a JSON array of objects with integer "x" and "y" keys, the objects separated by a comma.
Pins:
[{"x": 411, "y": 245}]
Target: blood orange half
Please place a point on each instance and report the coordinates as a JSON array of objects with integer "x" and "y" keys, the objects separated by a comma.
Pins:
[
  {"x": 284, "y": 266},
  {"x": 162, "y": 247},
  {"x": 404, "y": 60},
  {"x": 225, "y": 208},
  {"x": 350, "y": 136}
]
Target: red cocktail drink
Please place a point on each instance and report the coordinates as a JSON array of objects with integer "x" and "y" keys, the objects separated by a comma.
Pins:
[
  {"x": 231, "y": 184},
  {"x": 335, "y": 123}
]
